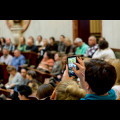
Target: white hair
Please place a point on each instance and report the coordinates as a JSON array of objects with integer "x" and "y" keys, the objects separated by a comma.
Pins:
[{"x": 77, "y": 40}]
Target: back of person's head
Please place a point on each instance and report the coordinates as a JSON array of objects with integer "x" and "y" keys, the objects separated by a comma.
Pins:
[
  {"x": 11, "y": 68},
  {"x": 100, "y": 76},
  {"x": 69, "y": 90},
  {"x": 31, "y": 73},
  {"x": 44, "y": 91},
  {"x": 24, "y": 90},
  {"x": 101, "y": 38},
  {"x": 103, "y": 44}
]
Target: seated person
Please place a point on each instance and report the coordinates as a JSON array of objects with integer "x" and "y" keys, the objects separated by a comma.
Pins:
[
  {"x": 61, "y": 45},
  {"x": 15, "y": 78},
  {"x": 30, "y": 45},
  {"x": 39, "y": 41},
  {"x": 53, "y": 46},
  {"x": 104, "y": 52},
  {"x": 68, "y": 46},
  {"x": 2, "y": 43},
  {"x": 22, "y": 46},
  {"x": 47, "y": 62},
  {"x": 24, "y": 75},
  {"x": 6, "y": 58},
  {"x": 9, "y": 45},
  {"x": 92, "y": 42},
  {"x": 24, "y": 92},
  {"x": 31, "y": 76},
  {"x": 34, "y": 86},
  {"x": 81, "y": 47},
  {"x": 57, "y": 65},
  {"x": 97, "y": 78},
  {"x": 45, "y": 91},
  {"x": 69, "y": 90},
  {"x": 18, "y": 59}
]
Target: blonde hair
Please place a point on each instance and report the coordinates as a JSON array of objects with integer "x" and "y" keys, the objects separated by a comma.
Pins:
[
  {"x": 69, "y": 90},
  {"x": 34, "y": 86}
]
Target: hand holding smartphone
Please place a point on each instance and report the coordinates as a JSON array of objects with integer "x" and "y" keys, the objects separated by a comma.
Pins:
[{"x": 71, "y": 61}]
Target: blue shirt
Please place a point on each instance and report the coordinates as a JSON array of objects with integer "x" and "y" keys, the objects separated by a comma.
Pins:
[
  {"x": 111, "y": 96},
  {"x": 18, "y": 61}
]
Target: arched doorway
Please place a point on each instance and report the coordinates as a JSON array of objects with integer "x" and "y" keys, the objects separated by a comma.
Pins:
[{"x": 85, "y": 28}]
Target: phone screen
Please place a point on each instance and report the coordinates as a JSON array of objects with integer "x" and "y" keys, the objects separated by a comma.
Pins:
[{"x": 72, "y": 60}]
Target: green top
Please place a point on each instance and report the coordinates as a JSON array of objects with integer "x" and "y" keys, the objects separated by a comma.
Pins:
[
  {"x": 23, "y": 48},
  {"x": 82, "y": 50}
]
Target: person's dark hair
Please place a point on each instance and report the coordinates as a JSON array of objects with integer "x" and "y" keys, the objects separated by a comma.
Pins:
[
  {"x": 62, "y": 36},
  {"x": 103, "y": 44},
  {"x": 100, "y": 75},
  {"x": 3, "y": 39},
  {"x": 102, "y": 38},
  {"x": 49, "y": 54},
  {"x": 32, "y": 73},
  {"x": 44, "y": 91},
  {"x": 24, "y": 90},
  {"x": 59, "y": 54},
  {"x": 52, "y": 39}
]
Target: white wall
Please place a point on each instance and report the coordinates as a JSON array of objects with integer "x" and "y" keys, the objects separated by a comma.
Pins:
[
  {"x": 111, "y": 31},
  {"x": 46, "y": 28}
]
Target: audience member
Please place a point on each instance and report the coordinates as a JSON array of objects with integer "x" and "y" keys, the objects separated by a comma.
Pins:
[
  {"x": 97, "y": 77},
  {"x": 68, "y": 46},
  {"x": 104, "y": 52},
  {"x": 81, "y": 47},
  {"x": 6, "y": 58},
  {"x": 30, "y": 45},
  {"x": 47, "y": 62},
  {"x": 39, "y": 41},
  {"x": 23, "y": 45},
  {"x": 69, "y": 90},
  {"x": 24, "y": 75},
  {"x": 2, "y": 43},
  {"x": 61, "y": 45},
  {"x": 92, "y": 41},
  {"x": 18, "y": 59},
  {"x": 45, "y": 91},
  {"x": 15, "y": 78},
  {"x": 24, "y": 92},
  {"x": 53, "y": 46}
]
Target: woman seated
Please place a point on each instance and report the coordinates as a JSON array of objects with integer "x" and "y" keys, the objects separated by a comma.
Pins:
[
  {"x": 2, "y": 43},
  {"x": 15, "y": 78},
  {"x": 45, "y": 91},
  {"x": 104, "y": 52},
  {"x": 47, "y": 62}
]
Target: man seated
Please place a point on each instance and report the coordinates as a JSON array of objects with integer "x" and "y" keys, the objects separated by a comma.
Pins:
[
  {"x": 9, "y": 45},
  {"x": 30, "y": 45},
  {"x": 82, "y": 47},
  {"x": 6, "y": 58},
  {"x": 93, "y": 46},
  {"x": 18, "y": 59}
]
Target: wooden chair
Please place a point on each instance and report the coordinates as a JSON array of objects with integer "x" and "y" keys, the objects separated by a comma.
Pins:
[{"x": 5, "y": 92}]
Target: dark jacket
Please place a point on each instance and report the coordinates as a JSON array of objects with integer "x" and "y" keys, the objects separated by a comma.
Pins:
[{"x": 32, "y": 48}]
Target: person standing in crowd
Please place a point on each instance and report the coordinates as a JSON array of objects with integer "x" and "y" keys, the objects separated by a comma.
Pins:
[
  {"x": 18, "y": 59},
  {"x": 24, "y": 75},
  {"x": 6, "y": 58},
  {"x": 22, "y": 46},
  {"x": 104, "y": 52},
  {"x": 30, "y": 45},
  {"x": 81, "y": 47},
  {"x": 2, "y": 43},
  {"x": 92, "y": 42},
  {"x": 39, "y": 41},
  {"x": 9, "y": 45},
  {"x": 61, "y": 45},
  {"x": 52, "y": 46},
  {"x": 15, "y": 78}
]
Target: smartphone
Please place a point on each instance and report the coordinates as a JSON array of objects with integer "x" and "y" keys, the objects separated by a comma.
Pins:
[{"x": 71, "y": 60}]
